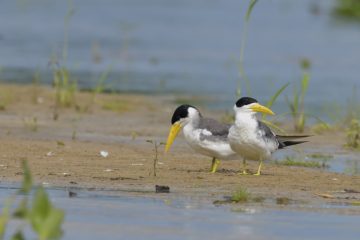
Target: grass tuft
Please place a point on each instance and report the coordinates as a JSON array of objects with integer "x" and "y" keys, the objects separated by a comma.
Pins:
[
  {"x": 296, "y": 105},
  {"x": 240, "y": 195},
  {"x": 349, "y": 9},
  {"x": 353, "y": 135},
  {"x": 37, "y": 213},
  {"x": 291, "y": 161}
]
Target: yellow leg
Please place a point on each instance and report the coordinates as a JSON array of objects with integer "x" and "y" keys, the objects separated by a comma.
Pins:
[
  {"x": 244, "y": 171},
  {"x": 214, "y": 165},
  {"x": 258, "y": 173}
]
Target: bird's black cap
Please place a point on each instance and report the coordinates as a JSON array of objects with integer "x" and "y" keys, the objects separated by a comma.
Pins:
[
  {"x": 245, "y": 101},
  {"x": 180, "y": 112}
]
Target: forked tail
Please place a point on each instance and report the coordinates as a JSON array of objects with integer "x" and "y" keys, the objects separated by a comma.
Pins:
[{"x": 285, "y": 141}]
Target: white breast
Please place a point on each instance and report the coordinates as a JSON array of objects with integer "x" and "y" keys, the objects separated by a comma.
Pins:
[{"x": 244, "y": 139}]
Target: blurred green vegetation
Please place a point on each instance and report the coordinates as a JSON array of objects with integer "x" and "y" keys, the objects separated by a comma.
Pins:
[
  {"x": 353, "y": 135},
  {"x": 242, "y": 74},
  {"x": 293, "y": 161},
  {"x": 241, "y": 195},
  {"x": 37, "y": 212},
  {"x": 297, "y": 104},
  {"x": 348, "y": 9}
]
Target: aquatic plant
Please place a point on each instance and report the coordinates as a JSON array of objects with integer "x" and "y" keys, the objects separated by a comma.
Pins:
[
  {"x": 70, "y": 12},
  {"x": 156, "y": 153},
  {"x": 349, "y": 9},
  {"x": 38, "y": 213},
  {"x": 292, "y": 161},
  {"x": 35, "y": 90},
  {"x": 31, "y": 123},
  {"x": 100, "y": 85},
  {"x": 352, "y": 108},
  {"x": 320, "y": 156},
  {"x": 322, "y": 127},
  {"x": 65, "y": 90},
  {"x": 353, "y": 135},
  {"x": 242, "y": 74},
  {"x": 4, "y": 100},
  {"x": 240, "y": 195},
  {"x": 297, "y": 106},
  {"x": 283, "y": 201},
  {"x": 273, "y": 98},
  {"x": 65, "y": 87}
]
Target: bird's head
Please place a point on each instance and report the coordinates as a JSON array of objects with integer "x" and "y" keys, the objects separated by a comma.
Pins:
[
  {"x": 182, "y": 116},
  {"x": 248, "y": 105}
]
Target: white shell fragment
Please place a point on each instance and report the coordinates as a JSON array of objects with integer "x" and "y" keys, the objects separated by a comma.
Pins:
[{"x": 104, "y": 153}]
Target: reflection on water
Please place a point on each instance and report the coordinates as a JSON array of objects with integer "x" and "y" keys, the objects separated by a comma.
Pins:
[
  {"x": 98, "y": 216},
  {"x": 184, "y": 45}
]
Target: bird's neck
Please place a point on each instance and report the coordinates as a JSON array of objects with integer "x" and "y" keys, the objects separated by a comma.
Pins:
[
  {"x": 245, "y": 120},
  {"x": 193, "y": 123}
]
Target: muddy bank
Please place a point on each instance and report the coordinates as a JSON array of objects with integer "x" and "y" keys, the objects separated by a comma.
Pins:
[{"x": 66, "y": 152}]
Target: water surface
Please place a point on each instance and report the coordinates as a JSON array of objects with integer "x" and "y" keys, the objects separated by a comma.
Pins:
[
  {"x": 185, "y": 46},
  {"x": 98, "y": 215}
]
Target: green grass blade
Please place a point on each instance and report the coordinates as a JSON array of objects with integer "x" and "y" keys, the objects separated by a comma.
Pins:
[
  {"x": 4, "y": 217},
  {"x": 100, "y": 86},
  {"x": 27, "y": 180},
  {"x": 295, "y": 104},
  {"x": 250, "y": 8},
  {"x": 274, "y": 97},
  {"x": 304, "y": 85},
  {"x": 242, "y": 49}
]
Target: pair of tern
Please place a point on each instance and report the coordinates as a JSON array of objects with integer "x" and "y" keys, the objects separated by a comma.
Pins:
[{"x": 247, "y": 137}]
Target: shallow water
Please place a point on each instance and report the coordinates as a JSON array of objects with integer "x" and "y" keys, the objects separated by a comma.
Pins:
[
  {"x": 98, "y": 215},
  {"x": 334, "y": 159},
  {"x": 186, "y": 46}
]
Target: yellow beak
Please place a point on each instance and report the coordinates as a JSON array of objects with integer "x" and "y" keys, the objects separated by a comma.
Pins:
[
  {"x": 174, "y": 130},
  {"x": 256, "y": 107}
]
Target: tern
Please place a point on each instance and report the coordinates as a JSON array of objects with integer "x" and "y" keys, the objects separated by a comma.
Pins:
[
  {"x": 205, "y": 135},
  {"x": 253, "y": 139}
]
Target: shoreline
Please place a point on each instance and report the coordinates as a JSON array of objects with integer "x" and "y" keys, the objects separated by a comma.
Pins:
[{"x": 120, "y": 124}]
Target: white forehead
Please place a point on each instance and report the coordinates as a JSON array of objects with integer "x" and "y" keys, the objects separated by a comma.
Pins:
[{"x": 193, "y": 112}]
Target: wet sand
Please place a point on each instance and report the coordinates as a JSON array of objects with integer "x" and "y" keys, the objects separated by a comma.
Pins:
[{"x": 66, "y": 152}]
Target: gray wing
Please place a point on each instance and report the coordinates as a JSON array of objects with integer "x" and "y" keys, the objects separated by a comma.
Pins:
[
  {"x": 267, "y": 135},
  {"x": 218, "y": 130},
  {"x": 281, "y": 141}
]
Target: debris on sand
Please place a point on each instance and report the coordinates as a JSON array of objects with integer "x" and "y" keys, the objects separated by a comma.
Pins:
[
  {"x": 162, "y": 189},
  {"x": 324, "y": 195}
]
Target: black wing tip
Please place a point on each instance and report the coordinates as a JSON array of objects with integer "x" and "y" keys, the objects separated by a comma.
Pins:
[
  {"x": 290, "y": 143},
  {"x": 294, "y": 136}
]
